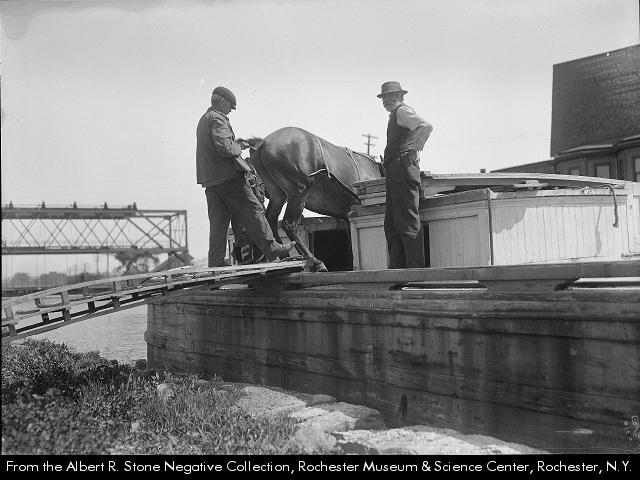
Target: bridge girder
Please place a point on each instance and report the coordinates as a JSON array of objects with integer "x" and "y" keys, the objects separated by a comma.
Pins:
[{"x": 83, "y": 230}]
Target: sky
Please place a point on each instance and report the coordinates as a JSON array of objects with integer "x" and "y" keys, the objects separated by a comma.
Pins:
[{"x": 100, "y": 99}]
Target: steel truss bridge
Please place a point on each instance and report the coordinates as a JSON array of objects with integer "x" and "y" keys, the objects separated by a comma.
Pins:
[{"x": 43, "y": 229}]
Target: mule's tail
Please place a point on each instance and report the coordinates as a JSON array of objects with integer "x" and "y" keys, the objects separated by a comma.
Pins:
[
  {"x": 255, "y": 158},
  {"x": 255, "y": 155}
]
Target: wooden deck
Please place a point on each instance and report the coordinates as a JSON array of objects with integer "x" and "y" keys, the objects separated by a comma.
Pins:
[{"x": 525, "y": 277}]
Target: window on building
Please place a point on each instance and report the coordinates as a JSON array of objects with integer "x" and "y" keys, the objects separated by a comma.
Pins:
[
  {"x": 575, "y": 171},
  {"x": 620, "y": 169},
  {"x": 636, "y": 169},
  {"x": 603, "y": 171}
]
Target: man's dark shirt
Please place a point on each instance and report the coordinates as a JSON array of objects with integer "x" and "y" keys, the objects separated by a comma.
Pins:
[{"x": 215, "y": 150}]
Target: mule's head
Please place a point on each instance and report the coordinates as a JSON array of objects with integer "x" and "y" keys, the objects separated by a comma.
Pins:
[
  {"x": 254, "y": 142},
  {"x": 370, "y": 167},
  {"x": 383, "y": 172}
]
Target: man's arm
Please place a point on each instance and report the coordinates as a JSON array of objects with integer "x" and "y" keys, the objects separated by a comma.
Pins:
[
  {"x": 408, "y": 118},
  {"x": 422, "y": 135},
  {"x": 223, "y": 138}
]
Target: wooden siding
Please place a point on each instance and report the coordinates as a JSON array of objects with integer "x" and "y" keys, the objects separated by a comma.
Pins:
[
  {"x": 369, "y": 244},
  {"x": 551, "y": 228},
  {"x": 482, "y": 227},
  {"x": 458, "y": 235},
  {"x": 633, "y": 212}
]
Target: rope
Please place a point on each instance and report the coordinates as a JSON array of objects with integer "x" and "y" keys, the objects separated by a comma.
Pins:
[
  {"x": 615, "y": 206},
  {"x": 322, "y": 157},
  {"x": 354, "y": 162}
]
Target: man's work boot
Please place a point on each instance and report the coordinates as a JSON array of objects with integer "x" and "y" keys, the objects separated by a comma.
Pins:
[{"x": 280, "y": 249}]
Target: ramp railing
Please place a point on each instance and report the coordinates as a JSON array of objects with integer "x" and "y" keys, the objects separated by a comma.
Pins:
[{"x": 60, "y": 306}]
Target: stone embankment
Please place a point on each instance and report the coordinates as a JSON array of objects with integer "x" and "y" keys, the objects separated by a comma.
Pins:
[{"x": 326, "y": 426}]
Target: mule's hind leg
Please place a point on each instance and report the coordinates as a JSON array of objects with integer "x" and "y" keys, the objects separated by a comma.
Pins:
[
  {"x": 276, "y": 202},
  {"x": 290, "y": 223}
]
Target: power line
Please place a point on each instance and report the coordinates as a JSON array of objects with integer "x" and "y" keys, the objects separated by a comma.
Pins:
[{"x": 368, "y": 143}]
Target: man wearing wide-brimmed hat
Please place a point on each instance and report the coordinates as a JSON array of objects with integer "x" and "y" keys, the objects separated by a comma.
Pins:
[
  {"x": 407, "y": 132},
  {"x": 227, "y": 190}
]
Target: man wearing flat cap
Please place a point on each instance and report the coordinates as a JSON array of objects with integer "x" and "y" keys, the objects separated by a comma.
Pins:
[
  {"x": 227, "y": 190},
  {"x": 407, "y": 132}
]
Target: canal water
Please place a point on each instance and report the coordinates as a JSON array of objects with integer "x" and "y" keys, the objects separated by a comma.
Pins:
[{"x": 117, "y": 336}]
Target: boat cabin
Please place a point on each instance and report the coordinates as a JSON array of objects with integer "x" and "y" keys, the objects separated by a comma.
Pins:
[{"x": 503, "y": 219}]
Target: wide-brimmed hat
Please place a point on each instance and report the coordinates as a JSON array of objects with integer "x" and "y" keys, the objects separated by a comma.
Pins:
[
  {"x": 225, "y": 93},
  {"x": 391, "y": 87}
]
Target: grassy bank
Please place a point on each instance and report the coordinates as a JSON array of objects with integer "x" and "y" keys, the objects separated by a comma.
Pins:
[{"x": 55, "y": 401}]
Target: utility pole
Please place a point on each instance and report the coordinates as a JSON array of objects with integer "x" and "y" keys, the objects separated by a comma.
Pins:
[{"x": 368, "y": 142}]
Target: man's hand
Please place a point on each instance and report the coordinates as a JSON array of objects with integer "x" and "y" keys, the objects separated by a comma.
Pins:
[
  {"x": 243, "y": 144},
  {"x": 413, "y": 156}
]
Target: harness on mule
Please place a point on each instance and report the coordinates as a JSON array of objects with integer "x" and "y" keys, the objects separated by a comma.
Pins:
[
  {"x": 326, "y": 168},
  {"x": 350, "y": 153},
  {"x": 332, "y": 177},
  {"x": 329, "y": 181}
]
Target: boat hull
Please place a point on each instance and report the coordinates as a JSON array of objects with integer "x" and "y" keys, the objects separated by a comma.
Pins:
[{"x": 556, "y": 370}]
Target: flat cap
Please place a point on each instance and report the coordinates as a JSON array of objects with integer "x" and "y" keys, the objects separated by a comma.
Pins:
[{"x": 225, "y": 93}]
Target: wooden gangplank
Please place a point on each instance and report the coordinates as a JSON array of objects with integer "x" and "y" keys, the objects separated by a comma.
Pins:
[{"x": 57, "y": 307}]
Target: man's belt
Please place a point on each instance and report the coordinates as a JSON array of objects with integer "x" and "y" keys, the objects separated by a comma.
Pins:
[{"x": 400, "y": 155}]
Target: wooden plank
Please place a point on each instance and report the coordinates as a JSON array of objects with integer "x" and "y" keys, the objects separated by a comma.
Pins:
[
  {"x": 585, "y": 305},
  {"x": 488, "y": 180},
  {"x": 429, "y": 201},
  {"x": 560, "y": 272},
  {"x": 64, "y": 296},
  {"x": 634, "y": 225},
  {"x": 45, "y": 327},
  {"x": 116, "y": 303},
  {"x": 45, "y": 309},
  {"x": 188, "y": 273},
  {"x": 8, "y": 321},
  {"x": 524, "y": 286},
  {"x": 591, "y": 406},
  {"x": 138, "y": 297},
  {"x": 8, "y": 314},
  {"x": 189, "y": 279}
]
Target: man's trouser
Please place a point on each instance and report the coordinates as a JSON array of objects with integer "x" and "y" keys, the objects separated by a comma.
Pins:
[
  {"x": 402, "y": 227},
  {"x": 235, "y": 198},
  {"x": 244, "y": 250}
]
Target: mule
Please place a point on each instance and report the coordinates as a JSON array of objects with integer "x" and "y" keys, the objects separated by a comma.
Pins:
[{"x": 305, "y": 171}]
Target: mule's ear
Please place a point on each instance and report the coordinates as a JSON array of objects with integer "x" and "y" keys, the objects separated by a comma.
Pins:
[{"x": 383, "y": 171}]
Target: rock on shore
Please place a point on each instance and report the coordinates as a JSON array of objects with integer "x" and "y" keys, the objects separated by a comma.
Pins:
[{"x": 326, "y": 426}]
